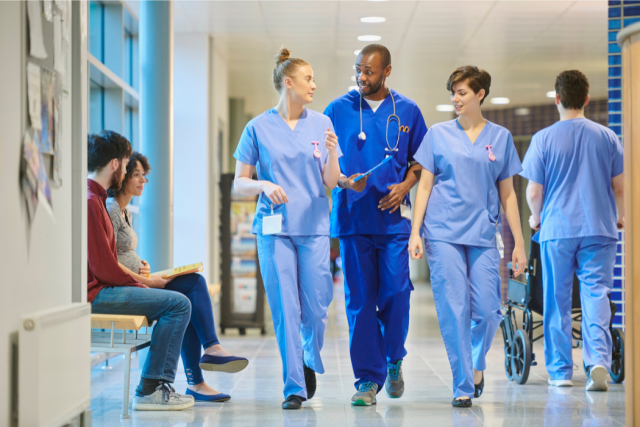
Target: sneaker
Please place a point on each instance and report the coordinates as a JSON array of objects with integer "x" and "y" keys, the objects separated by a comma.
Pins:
[
  {"x": 560, "y": 383},
  {"x": 366, "y": 394},
  {"x": 180, "y": 395},
  {"x": 597, "y": 379},
  {"x": 163, "y": 399},
  {"x": 394, "y": 384}
]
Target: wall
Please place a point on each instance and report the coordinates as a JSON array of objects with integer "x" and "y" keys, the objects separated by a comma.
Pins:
[
  {"x": 35, "y": 259},
  {"x": 190, "y": 150},
  {"x": 219, "y": 142},
  {"x": 201, "y": 118}
]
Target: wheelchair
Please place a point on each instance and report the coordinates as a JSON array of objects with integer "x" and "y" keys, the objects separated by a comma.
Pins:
[{"x": 527, "y": 298}]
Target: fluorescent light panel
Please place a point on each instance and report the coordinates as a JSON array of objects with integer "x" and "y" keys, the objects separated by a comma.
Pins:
[
  {"x": 499, "y": 100},
  {"x": 445, "y": 108},
  {"x": 369, "y": 38},
  {"x": 372, "y": 19},
  {"x": 551, "y": 94}
]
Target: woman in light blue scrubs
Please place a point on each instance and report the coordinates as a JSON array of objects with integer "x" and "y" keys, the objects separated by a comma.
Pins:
[
  {"x": 295, "y": 152},
  {"x": 468, "y": 166}
]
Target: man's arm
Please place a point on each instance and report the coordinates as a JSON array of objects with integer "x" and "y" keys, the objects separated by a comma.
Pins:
[
  {"x": 617, "y": 183},
  {"x": 102, "y": 262},
  {"x": 535, "y": 197}
]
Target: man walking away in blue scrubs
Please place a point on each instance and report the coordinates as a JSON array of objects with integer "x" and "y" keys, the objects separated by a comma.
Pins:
[
  {"x": 575, "y": 193},
  {"x": 372, "y": 219}
]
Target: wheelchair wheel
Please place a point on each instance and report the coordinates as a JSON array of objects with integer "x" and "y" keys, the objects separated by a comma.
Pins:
[
  {"x": 617, "y": 358},
  {"x": 507, "y": 363},
  {"x": 520, "y": 357}
]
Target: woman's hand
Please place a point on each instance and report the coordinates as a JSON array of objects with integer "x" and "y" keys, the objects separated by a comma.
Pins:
[
  {"x": 274, "y": 192},
  {"x": 156, "y": 281},
  {"x": 416, "y": 248},
  {"x": 145, "y": 270},
  {"x": 330, "y": 141},
  {"x": 518, "y": 260}
]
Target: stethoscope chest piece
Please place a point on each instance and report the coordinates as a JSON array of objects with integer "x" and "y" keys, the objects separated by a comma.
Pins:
[{"x": 362, "y": 136}]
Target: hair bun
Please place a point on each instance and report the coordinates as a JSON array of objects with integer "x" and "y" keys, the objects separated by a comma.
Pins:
[{"x": 283, "y": 55}]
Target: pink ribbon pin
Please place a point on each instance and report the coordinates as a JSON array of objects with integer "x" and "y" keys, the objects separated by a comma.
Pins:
[
  {"x": 316, "y": 152},
  {"x": 492, "y": 156}
]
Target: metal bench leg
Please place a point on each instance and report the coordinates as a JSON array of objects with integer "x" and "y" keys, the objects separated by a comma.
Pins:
[{"x": 125, "y": 392}]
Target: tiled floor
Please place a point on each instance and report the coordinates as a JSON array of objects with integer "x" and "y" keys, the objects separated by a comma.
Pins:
[{"x": 257, "y": 391}]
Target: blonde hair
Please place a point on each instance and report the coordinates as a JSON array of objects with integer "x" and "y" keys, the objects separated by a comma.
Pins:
[{"x": 285, "y": 67}]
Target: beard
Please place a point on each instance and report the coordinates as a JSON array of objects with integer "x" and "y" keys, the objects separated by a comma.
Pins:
[
  {"x": 117, "y": 178},
  {"x": 373, "y": 89}
]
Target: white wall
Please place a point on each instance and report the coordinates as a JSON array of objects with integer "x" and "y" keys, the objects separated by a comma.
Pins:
[
  {"x": 190, "y": 151},
  {"x": 35, "y": 260}
]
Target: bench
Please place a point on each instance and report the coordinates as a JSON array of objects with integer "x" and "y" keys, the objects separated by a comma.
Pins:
[{"x": 117, "y": 340}]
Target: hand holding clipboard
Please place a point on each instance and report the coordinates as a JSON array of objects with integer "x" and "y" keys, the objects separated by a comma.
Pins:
[{"x": 372, "y": 169}]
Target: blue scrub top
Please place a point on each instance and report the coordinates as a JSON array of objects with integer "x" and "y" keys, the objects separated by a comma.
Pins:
[
  {"x": 574, "y": 160},
  {"x": 358, "y": 213},
  {"x": 464, "y": 206},
  {"x": 285, "y": 157}
]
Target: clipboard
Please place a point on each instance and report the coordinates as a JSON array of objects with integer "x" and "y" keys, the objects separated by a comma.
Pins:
[{"x": 374, "y": 168}]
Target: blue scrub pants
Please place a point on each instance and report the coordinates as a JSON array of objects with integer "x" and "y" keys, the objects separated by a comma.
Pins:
[
  {"x": 466, "y": 289},
  {"x": 592, "y": 259},
  {"x": 377, "y": 292},
  {"x": 297, "y": 278}
]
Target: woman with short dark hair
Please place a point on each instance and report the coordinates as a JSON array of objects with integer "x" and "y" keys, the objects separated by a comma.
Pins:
[
  {"x": 468, "y": 164},
  {"x": 200, "y": 331}
]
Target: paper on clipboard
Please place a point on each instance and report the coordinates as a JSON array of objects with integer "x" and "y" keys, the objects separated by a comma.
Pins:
[{"x": 372, "y": 169}]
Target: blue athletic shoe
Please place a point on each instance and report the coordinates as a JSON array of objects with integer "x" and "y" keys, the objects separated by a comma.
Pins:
[
  {"x": 230, "y": 364},
  {"x": 366, "y": 394},
  {"x": 394, "y": 385},
  {"x": 220, "y": 397}
]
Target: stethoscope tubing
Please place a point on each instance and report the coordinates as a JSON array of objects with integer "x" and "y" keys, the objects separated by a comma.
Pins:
[{"x": 392, "y": 117}]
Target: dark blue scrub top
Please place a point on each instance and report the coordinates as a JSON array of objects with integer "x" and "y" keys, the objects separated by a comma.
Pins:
[{"x": 358, "y": 213}]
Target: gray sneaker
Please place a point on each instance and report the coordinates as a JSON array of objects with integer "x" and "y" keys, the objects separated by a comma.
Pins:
[
  {"x": 163, "y": 399},
  {"x": 366, "y": 394},
  {"x": 394, "y": 384}
]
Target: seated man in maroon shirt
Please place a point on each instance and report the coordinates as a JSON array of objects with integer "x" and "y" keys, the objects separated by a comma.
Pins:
[{"x": 112, "y": 291}]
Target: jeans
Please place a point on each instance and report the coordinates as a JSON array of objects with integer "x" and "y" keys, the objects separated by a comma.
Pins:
[
  {"x": 172, "y": 311},
  {"x": 201, "y": 332}
]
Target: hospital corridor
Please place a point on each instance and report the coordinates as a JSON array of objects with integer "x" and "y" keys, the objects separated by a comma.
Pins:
[{"x": 319, "y": 213}]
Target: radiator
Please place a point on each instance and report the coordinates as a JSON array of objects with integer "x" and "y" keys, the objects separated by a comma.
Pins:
[{"x": 54, "y": 371}]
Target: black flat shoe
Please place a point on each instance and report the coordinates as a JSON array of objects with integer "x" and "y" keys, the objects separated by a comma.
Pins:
[
  {"x": 310, "y": 381},
  {"x": 292, "y": 402},
  {"x": 462, "y": 403},
  {"x": 479, "y": 387}
]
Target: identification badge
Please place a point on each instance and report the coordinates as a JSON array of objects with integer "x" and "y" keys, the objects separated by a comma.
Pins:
[
  {"x": 405, "y": 211},
  {"x": 500, "y": 244},
  {"x": 271, "y": 224}
]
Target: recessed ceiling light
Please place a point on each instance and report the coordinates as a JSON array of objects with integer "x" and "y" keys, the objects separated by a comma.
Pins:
[
  {"x": 523, "y": 111},
  {"x": 353, "y": 78},
  {"x": 373, "y": 19},
  {"x": 499, "y": 100},
  {"x": 369, "y": 38},
  {"x": 353, "y": 88},
  {"x": 551, "y": 94},
  {"x": 357, "y": 52},
  {"x": 444, "y": 107}
]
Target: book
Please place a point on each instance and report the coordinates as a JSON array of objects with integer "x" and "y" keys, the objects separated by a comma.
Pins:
[{"x": 180, "y": 271}]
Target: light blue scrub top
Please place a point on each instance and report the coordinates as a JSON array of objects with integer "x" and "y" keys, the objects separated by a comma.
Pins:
[
  {"x": 285, "y": 157},
  {"x": 358, "y": 213},
  {"x": 464, "y": 206},
  {"x": 574, "y": 160}
]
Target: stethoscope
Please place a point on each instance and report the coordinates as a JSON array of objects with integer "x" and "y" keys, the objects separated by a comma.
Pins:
[{"x": 392, "y": 118}]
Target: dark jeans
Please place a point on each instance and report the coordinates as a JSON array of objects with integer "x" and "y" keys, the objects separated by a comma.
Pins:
[
  {"x": 201, "y": 332},
  {"x": 172, "y": 311}
]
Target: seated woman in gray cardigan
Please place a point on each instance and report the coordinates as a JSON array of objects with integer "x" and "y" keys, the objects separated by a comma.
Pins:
[{"x": 201, "y": 331}]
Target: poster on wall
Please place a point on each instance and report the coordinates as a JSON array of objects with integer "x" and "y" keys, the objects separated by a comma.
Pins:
[
  {"x": 33, "y": 94},
  {"x": 36, "y": 41},
  {"x": 46, "y": 112}
]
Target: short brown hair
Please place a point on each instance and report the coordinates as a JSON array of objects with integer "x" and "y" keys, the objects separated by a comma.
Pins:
[
  {"x": 477, "y": 79},
  {"x": 131, "y": 166},
  {"x": 285, "y": 67},
  {"x": 572, "y": 87}
]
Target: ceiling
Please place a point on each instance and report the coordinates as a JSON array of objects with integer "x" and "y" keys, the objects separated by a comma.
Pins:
[{"x": 522, "y": 44}]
